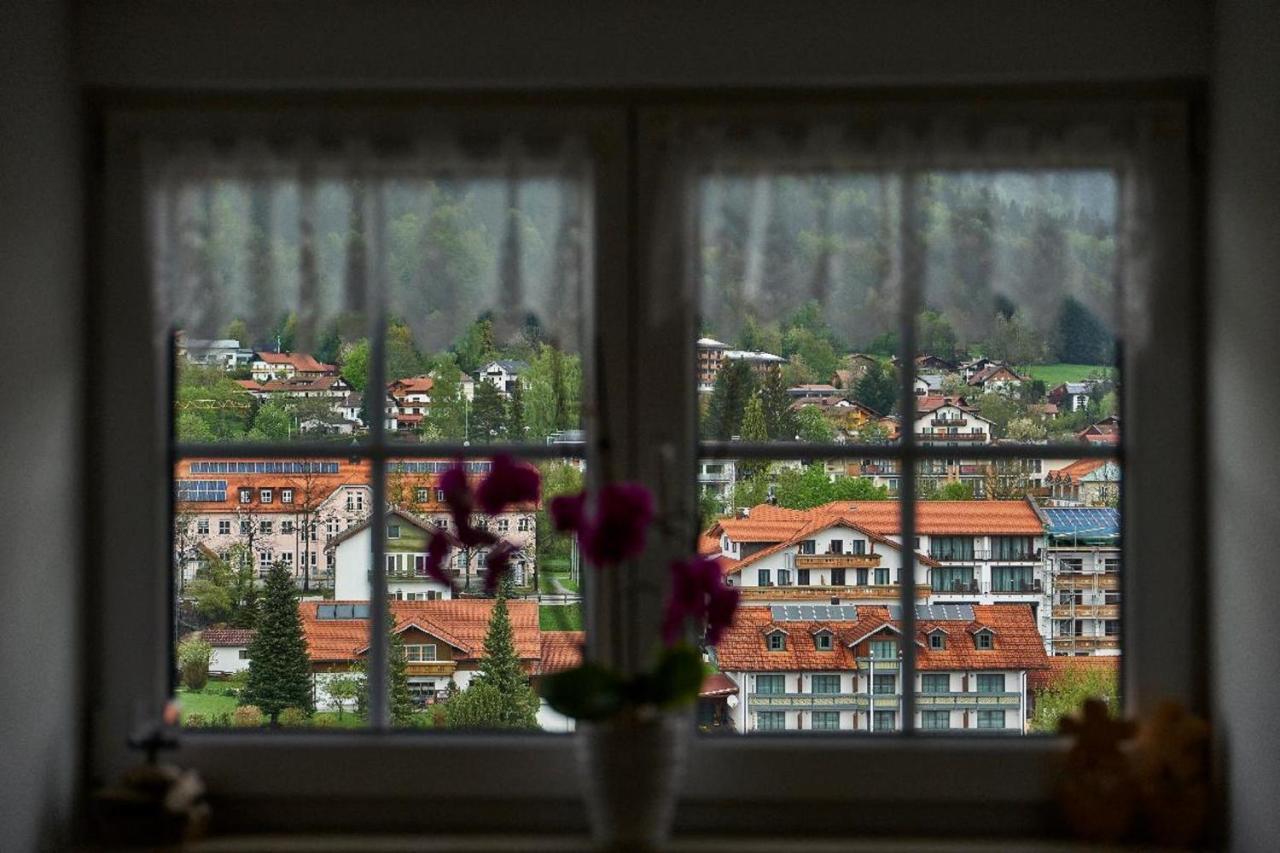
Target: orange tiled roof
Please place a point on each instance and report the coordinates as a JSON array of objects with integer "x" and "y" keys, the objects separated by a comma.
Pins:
[
  {"x": 933, "y": 402},
  {"x": 715, "y": 685},
  {"x": 221, "y": 636},
  {"x": 1017, "y": 646},
  {"x": 1075, "y": 472},
  {"x": 1013, "y": 518},
  {"x": 561, "y": 650},
  {"x": 301, "y": 361},
  {"x": 413, "y": 384},
  {"x": 708, "y": 545},
  {"x": 319, "y": 383},
  {"x": 461, "y": 623},
  {"x": 820, "y": 519},
  {"x": 1059, "y": 666}
]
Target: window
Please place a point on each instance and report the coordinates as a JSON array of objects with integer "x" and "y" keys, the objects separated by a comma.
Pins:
[
  {"x": 764, "y": 577},
  {"x": 771, "y": 721},
  {"x": 393, "y": 531},
  {"x": 935, "y": 682},
  {"x": 802, "y": 577},
  {"x": 224, "y": 527},
  {"x": 937, "y": 640},
  {"x": 808, "y": 546},
  {"x": 777, "y": 641},
  {"x": 837, "y": 577},
  {"x": 503, "y": 525},
  {"x": 784, "y": 577},
  {"x": 202, "y": 527},
  {"x": 984, "y": 639},
  {"x": 264, "y": 495},
  {"x": 884, "y": 684},
  {"x": 990, "y": 683},
  {"x": 1012, "y": 548},
  {"x": 245, "y": 526},
  {"x": 881, "y": 577},
  {"x": 242, "y": 654},
  {"x": 885, "y": 721},
  {"x": 826, "y": 684},
  {"x": 836, "y": 546},
  {"x": 524, "y": 524},
  {"x": 951, "y": 547},
  {"x": 265, "y": 526},
  {"x": 648, "y": 434},
  {"x": 1112, "y": 627},
  {"x": 884, "y": 649},
  {"x": 935, "y": 720},
  {"x": 286, "y": 526},
  {"x": 355, "y": 501},
  {"x": 952, "y": 579},
  {"x": 420, "y": 653},
  {"x": 825, "y": 721},
  {"x": 1018, "y": 579},
  {"x": 770, "y": 685},
  {"x": 822, "y": 641},
  {"x": 246, "y": 496},
  {"x": 991, "y": 719},
  {"x": 286, "y": 496},
  {"x": 286, "y": 557},
  {"x": 421, "y": 495}
]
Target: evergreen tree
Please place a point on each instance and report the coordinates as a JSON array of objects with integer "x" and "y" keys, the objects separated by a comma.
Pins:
[
  {"x": 877, "y": 388},
  {"x": 734, "y": 386},
  {"x": 753, "y": 429},
  {"x": 499, "y": 697},
  {"x": 446, "y": 419},
  {"x": 279, "y": 668},
  {"x": 779, "y": 420},
  {"x": 515, "y": 413},
  {"x": 488, "y": 413},
  {"x": 400, "y": 700},
  {"x": 1080, "y": 337}
]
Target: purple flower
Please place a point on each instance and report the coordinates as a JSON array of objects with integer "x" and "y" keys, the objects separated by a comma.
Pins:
[
  {"x": 497, "y": 565},
  {"x": 437, "y": 553},
  {"x": 509, "y": 482},
  {"x": 698, "y": 594},
  {"x": 568, "y": 512},
  {"x": 617, "y": 533},
  {"x": 457, "y": 494}
]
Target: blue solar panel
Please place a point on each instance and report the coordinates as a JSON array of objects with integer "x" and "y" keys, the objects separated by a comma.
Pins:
[
  {"x": 1082, "y": 522},
  {"x": 201, "y": 490}
]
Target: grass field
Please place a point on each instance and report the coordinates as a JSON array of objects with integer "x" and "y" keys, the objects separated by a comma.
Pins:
[
  {"x": 208, "y": 703},
  {"x": 563, "y": 617},
  {"x": 1056, "y": 374},
  {"x": 545, "y": 581}
]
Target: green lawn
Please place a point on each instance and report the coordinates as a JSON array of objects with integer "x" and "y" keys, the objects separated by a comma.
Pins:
[
  {"x": 208, "y": 703},
  {"x": 545, "y": 581},
  {"x": 1056, "y": 374},
  {"x": 561, "y": 617}
]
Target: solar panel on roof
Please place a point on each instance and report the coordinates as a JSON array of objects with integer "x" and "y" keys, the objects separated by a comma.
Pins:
[
  {"x": 813, "y": 612},
  {"x": 936, "y": 612}
]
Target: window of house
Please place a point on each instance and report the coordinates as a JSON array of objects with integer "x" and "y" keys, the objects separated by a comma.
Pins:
[
  {"x": 764, "y": 577},
  {"x": 784, "y": 577},
  {"x": 286, "y": 526},
  {"x": 935, "y": 682},
  {"x": 246, "y": 496},
  {"x": 951, "y": 547},
  {"x": 245, "y": 526},
  {"x": 265, "y": 526},
  {"x": 224, "y": 527},
  {"x": 984, "y": 640},
  {"x": 418, "y": 653},
  {"x": 658, "y": 417},
  {"x": 822, "y": 641},
  {"x": 242, "y": 654},
  {"x": 935, "y": 720},
  {"x": 802, "y": 577},
  {"x": 883, "y": 684},
  {"x": 421, "y": 495},
  {"x": 286, "y": 496},
  {"x": 777, "y": 641},
  {"x": 771, "y": 721},
  {"x": 951, "y": 578},
  {"x": 202, "y": 527},
  {"x": 991, "y": 719},
  {"x": 393, "y": 531},
  {"x": 990, "y": 682},
  {"x": 264, "y": 495},
  {"x": 808, "y": 546},
  {"x": 884, "y": 649},
  {"x": 937, "y": 640},
  {"x": 826, "y": 684},
  {"x": 885, "y": 721},
  {"x": 770, "y": 685},
  {"x": 825, "y": 721}
]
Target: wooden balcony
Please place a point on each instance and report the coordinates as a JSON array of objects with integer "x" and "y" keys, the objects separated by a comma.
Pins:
[
  {"x": 1086, "y": 611},
  {"x": 980, "y": 437},
  {"x": 1087, "y": 580},
  {"x": 823, "y": 594},
  {"x": 967, "y": 700},
  {"x": 837, "y": 561}
]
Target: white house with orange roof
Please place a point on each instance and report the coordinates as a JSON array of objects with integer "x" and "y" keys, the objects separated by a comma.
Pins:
[
  {"x": 288, "y": 365},
  {"x": 1085, "y": 482},
  {"x": 950, "y": 421},
  {"x": 804, "y": 667},
  {"x": 845, "y": 552}
]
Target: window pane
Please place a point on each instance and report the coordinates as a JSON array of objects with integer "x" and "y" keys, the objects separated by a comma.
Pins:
[
  {"x": 242, "y": 561},
  {"x": 798, "y": 305},
  {"x": 487, "y": 269}
]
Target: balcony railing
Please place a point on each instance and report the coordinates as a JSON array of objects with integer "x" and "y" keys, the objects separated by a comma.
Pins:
[
  {"x": 981, "y": 437},
  {"x": 992, "y": 556},
  {"x": 1086, "y": 611},
  {"x": 970, "y": 587},
  {"x": 823, "y": 701},
  {"x": 948, "y": 422},
  {"x": 967, "y": 700},
  {"x": 815, "y": 593},
  {"x": 836, "y": 561},
  {"x": 1034, "y": 587}
]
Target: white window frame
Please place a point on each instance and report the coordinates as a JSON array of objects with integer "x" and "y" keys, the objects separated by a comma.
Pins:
[
  {"x": 650, "y": 408},
  {"x": 286, "y": 496}
]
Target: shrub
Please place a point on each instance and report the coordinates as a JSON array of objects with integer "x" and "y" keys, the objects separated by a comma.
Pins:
[
  {"x": 246, "y": 717},
  {"x": 194, "y": 655},
  {"x": 194, "y": 721},
  {"x": 293, "y": 717},
  {"x": 221, "y": 720}
]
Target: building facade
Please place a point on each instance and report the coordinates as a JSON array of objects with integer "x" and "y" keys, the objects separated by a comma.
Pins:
[{"x": 1082, "y": 563}]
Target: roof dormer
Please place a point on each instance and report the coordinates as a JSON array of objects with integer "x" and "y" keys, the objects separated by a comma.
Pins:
[
  {"x": 824, "y": 639},
  {"x": 936, "y": 638},
  {"x": 775, "y": 638},
  {"x": 983, "y": 637}
]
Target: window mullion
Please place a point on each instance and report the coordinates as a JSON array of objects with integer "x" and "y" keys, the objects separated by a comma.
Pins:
[
  {"x": 379, "y": 716},
  {"x": 908, "y": 264}
]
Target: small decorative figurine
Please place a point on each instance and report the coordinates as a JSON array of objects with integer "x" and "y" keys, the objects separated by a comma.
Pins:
[{"x": 1097, "y": 791}]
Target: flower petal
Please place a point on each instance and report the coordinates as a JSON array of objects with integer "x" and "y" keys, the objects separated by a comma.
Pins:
[{"x": 509, "y": 482}]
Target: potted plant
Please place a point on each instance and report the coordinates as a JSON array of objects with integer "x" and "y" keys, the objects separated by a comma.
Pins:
[{"x": 634, "y": 729}]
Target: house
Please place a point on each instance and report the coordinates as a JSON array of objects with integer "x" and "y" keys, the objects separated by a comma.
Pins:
[
  {"x": 1105, "y": 431},
  {"x": 997, "y": 377},
  {"x": 1071, "y": 396},
  {"x": 761, "y": 363},
  {"x": 288, "y": 365},
  {"x": 502, "y": 374},
  {"x": 412, "y": 394},
  {"x": 1082, "y": 563},
  {"x": 928, "y": 384},
  {"x": 969, "y": 368},
  {"x": 849, "y": 552},
  {"x": 856, "y": 366},
  {"x": 710, "y": 358},
  {"x": 839, "y": 668},
  {"x": 230, "y": 649},
  {"x": 934, "y": 364},
  {"x": 225, "y": 353},
  {"x": 444, "y": 643},
  {"x": 351, "y": 407},
  {"x": 950, "y": 421},
  {"x": 405, "y": 552},
  {"x": 1086, "y": 482},
  {"x": 813, "y": 392},
  {"x": 717, "y": 476}
]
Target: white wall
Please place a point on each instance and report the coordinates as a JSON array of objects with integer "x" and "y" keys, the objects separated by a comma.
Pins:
[
  {"x": 40, "y": 456},
  {"x": 227, "y": 659},
  {"x": 1244, "y": 451}
]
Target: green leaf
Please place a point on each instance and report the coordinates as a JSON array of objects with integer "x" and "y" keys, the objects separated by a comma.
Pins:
[
  {"x": 678, "y": 677},
  {"x": 589, "y": 692}
]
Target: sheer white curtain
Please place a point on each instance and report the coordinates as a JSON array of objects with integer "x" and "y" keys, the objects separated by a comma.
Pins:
[{"x": 444, "y": 229}]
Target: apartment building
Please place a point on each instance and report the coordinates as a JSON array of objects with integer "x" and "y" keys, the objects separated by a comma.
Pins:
[
  {"x": 1085, "y": 483},
  {"x": 710, "y": 358},
  {"x": 288, "y": 365},
  {"x": 943, "y": 421},
  {"x": 839, "y": 668},
  {"x": 849, "y": 552},
  {"x": 1082, "y": 565}
]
